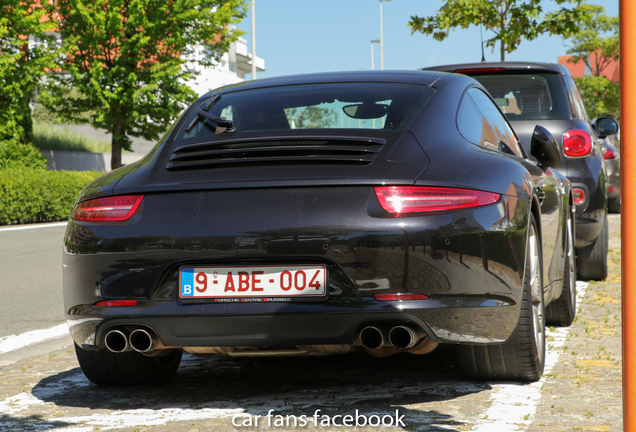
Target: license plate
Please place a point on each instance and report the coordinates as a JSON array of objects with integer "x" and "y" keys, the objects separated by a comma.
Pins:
[{"x": 253, "y": 281}]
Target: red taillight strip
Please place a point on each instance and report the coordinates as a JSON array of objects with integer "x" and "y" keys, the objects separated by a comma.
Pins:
[
  {"x": 479, "y": 71},
  {"x": 420, "y": 199},
  {"x": 117, "y": 303},
  {"x": 399, "y": 297},
  {"x": 107, "y": 209}
]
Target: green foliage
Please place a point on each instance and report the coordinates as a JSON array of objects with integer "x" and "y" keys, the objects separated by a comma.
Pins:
[
  {"x": 601, "y": 96},
  {"x": 126, "y": 59},
  {"x": 42, "y": 114},
  {"x": 15, "y": 155},
  {"x": 597, "y": 42},
  {"x": 47, "y": 137},
  {"x": 34, "y": 195},
  {"x": 21, "y": 66},
  {"x": 510, "y": 20}
]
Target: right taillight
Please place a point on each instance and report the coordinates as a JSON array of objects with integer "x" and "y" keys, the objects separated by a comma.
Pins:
[
  {"x": 578, "y": 196},
  {"x": 608, "y": 153},
  {"x": 413, "y": 200},
  {"x": 577, "y": 143}
]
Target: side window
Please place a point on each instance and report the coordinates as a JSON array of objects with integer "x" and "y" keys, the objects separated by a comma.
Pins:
[
  {"x": 578, "y": 107},
  {"x": 496, "y": 127},
  {"x": 469, "y": 120}
]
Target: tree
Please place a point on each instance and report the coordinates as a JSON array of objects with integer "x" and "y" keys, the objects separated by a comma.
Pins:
[
  {"x": 510, "y": 20},
  {"x": 22, "y": 64},
  {"x": 601, "y": 96},
  {"x": 597, "y": 42},
  {"x": 126, "y": 59}
]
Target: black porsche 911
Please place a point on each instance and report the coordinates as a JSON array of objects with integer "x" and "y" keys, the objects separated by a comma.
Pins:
[{"x": 319, "y": 214}]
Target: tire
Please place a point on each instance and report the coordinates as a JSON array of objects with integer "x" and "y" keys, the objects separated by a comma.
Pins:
[
  {"x": 106, "y": 368},
  {"x": 614, "y": 205},
  {"x": 522, "y": 356},
  {"x": 591, "y": 261},
  {"x": 561, "y": 312}
]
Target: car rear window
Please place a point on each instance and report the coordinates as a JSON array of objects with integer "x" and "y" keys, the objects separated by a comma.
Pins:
[
  {"x": 532, "y": 96},
  {"x": 370, "y": 106}
]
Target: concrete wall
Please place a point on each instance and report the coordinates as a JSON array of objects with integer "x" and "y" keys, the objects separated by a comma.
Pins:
[{"x": 84, "y": 161}]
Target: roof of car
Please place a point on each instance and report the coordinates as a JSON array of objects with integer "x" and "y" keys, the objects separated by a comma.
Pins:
[
  {"x": 398, "y": 76},
  {"x": 508, "y": 66}
]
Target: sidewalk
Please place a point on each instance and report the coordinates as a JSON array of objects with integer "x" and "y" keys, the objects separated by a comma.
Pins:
[{"x": 584, "y": 391}]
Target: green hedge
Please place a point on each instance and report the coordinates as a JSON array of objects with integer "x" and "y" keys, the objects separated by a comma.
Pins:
[{"x": 38, "y": 195}]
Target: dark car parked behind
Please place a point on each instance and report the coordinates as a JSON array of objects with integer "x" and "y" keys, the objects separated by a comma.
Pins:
[{"x": 546, "y": 94}]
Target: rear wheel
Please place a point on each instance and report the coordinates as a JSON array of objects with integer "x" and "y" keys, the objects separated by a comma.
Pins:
[
  {"x": 128, "y": 368},
  {"x": 563, "y": 310},
  {"x": 522, "y": 356},
  {"x": 591, "y": 261}
]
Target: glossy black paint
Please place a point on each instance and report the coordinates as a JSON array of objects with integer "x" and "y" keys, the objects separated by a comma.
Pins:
[
  {"x": 470, "y": 263},
  {"x": 588, "y": 173}
]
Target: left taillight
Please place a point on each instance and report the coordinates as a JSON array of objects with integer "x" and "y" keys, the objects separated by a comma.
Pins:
[
  {"x": 107, "y": 209},
  {"x": 608, "y": 153},
  {"x": 405, "y": 200}
]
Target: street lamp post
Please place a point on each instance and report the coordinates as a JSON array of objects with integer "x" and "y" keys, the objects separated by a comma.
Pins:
[
  {"x": 253, "y": 43},
  {"x": 381, "y": 38},
  {"x": 375, "y": 41}
]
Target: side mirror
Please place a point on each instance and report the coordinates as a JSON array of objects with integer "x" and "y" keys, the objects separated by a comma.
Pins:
[
  {"x": 604, "y": 126},
  {"x": 545, "y": 147}
]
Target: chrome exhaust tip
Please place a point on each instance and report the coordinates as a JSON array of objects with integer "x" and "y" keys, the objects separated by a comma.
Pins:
[
  {"x": 372, "y": 338},
  {"x": 116, "y": 341},
  {"x": 143, "y": 341},
  {"x": 405, "y": 337}
]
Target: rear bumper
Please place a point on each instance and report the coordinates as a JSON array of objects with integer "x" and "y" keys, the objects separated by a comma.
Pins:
[{"x": 476, "y": 321}]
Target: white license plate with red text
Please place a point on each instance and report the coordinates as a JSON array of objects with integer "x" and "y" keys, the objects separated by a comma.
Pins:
[{"x": 253, "y": 281}]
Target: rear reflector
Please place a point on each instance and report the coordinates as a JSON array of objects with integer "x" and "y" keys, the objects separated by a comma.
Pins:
[
  {"x": 396, "y": 297},
  {"x": 577, "y": 143},
  {"x": 578, "y": 195},
  {"x": 108, "y": 209},
  {"x": 116, "y": 303},
  {"x": 417, "y": 199},
  {"x": 608, "y": 153}
]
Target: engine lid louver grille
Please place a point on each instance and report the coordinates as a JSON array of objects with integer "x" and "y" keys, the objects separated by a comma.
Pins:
[{"x": 265, "y": 152}]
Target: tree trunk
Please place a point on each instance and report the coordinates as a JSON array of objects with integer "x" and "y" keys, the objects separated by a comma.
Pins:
[
  {"x": 117, "y": 144},
  {"x": 503, "y": 51}
]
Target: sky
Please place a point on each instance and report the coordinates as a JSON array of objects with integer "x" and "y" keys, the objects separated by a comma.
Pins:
[{"x": 304, "y": 36}]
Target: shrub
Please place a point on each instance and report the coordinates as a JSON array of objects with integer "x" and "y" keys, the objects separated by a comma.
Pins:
[
  {"x": 15, "y": 155},
  {"x": 38, "y": 195}
]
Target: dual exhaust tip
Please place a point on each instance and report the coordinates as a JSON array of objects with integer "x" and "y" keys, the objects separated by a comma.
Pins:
[
  {"x": 141, "y": 340},
  {"x": 402, "y": 337}
]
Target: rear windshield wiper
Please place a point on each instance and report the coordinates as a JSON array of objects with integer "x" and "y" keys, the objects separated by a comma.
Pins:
[{"x": 220, "y": 125}]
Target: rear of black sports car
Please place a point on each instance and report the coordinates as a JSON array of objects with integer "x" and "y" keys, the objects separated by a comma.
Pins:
[{"x": 264, "y": 222}]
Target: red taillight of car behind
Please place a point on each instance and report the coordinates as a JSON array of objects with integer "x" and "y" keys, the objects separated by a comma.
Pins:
[
  {"x": 578, "y": 196},
  {"x": 608, "y": 153},
  {"x": 108, "y": 209},
  {"x": 577, "y": 143},
  {"x": 405, "y": 200}
]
